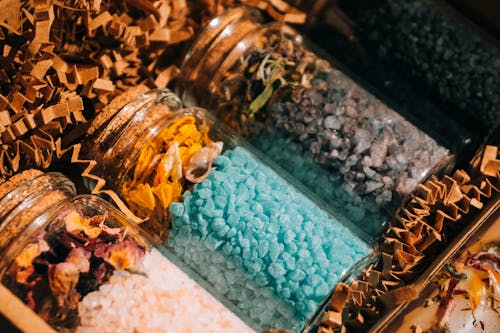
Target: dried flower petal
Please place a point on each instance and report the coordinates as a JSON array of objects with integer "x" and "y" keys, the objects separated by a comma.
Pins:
[
  {"x": 22, "y": 275},
  {"x": 63, "y": 278},
  {"x": 121, "y": 255},
  {"x": 170, "y": 166},
  {"x": 447, "y": 303},
  {"x": 494, "y": 280},
  {"x": 75, "y": 224},
  {"x": 31, "y": 301},
  {"x": 142, "y": 196},
  {"x": 161, "y": 174},
  {"x": 80, "y": 258},
  {"x": 95, "y": 221},
  {"x": 164, "y": 193},
  {"x": 109, "y": 230},
  {"x": 483, "y": 259},
  {"x": 476, "y": 289},
  {"x": 146, "y": 158},
  {"x": 30, "y": 252}
]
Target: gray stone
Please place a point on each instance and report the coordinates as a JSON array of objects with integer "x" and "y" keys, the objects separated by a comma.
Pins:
[
  {"x": 332, "y": 122},
  {"x": 378, "y": 150}
]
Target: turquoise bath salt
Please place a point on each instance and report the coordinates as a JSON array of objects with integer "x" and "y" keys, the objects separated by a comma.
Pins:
[
  {"x": 262, "y": 244},
  {"x": 327, "y": 185}
]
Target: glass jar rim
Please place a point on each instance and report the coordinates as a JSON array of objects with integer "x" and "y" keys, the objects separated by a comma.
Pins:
[
  {"x": 55, "y": 182},
  {"x": 51, "y": 180},
  {"x": 209, "y": 33},
  {"x": 132, "y": 112},
  {"x": 195, "y": 58}
]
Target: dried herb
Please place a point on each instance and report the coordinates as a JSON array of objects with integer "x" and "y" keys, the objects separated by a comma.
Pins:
[
  {"x": 473, "y": 276},
  {"x": 454, "y": 274},
  {"x": 122, "y": 255}
]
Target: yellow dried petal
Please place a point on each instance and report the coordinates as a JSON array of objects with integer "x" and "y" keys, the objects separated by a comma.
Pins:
[
  {"x": 120, "y": 260},
  {"x": 187, "y": 152},
  {"x": 177, "y": 191},
  {"x": 189, "y": 131},
  {"x": 73, "y": 221},
  {"x": 92, "y": 232},
  {"x": 30, "y": 252},
  {"x": 145, "y": 157},
  {"x": 475, "y": 288},
  {"x": 164, "y": 193},
  {"x": 142, "y": 196},
  {"x": 75, "y": 224},
  {"x": 164, "y": 158}
]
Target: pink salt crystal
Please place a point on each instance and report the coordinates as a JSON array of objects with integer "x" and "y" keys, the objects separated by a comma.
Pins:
[{"x": 165, "y": 299}]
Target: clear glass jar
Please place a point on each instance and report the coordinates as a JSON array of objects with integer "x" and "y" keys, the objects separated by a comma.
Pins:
[
  {"x": 81, "y": 265},
  {"x": 339, "y": 140},
  {"x": 243, "y": 226},
  {"x": 118, "y": 138},
  {"x": 418, "y": 50}
]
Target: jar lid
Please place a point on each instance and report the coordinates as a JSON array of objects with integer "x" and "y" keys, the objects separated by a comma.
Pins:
[
  {"x": 110, "y": 110},
  {"x": 133, "y": 114},
  {"x": 16, "y": 180}
]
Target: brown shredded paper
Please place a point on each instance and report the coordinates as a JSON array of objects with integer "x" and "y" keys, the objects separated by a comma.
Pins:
[{"x": 416, "y": 234}]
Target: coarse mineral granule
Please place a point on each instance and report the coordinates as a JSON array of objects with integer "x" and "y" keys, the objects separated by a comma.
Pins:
[
  {"x": 164, "y": 299},
  {"x": 378, "y": 154},
  {"x": 375, "y": 156},
  {"x": 437, "y": 51},
  {"x": 325, "y": 184},
  {"x": 269, "y": 249}
]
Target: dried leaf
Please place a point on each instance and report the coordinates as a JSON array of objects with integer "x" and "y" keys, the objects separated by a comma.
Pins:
[{"x": 261, "y": 100}]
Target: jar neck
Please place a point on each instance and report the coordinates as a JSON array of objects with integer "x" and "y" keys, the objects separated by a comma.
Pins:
[
  {"x": 240, "y": 73},
  {"x": 22, "y": 207},
  {"x": 221, "y": 36},
  {"x": 121, "y": 134},
  {"x": 133, "y": 113}
]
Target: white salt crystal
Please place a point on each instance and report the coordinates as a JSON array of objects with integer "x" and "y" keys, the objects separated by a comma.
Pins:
[{"x": 167, "y": 300}]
